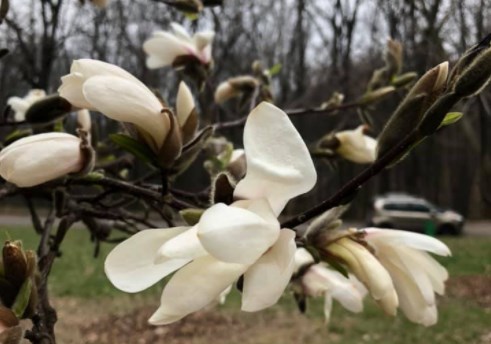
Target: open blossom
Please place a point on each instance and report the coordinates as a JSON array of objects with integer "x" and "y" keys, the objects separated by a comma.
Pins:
[
  {"x": 165, "y": 47},
  {"x": 21, "y": 105},
  {"x": 355, "y": 146},
  {"x": 103, "y": 87},
  {"x": 40, "y": 158},
  {"x": 229, "y": 241},
  {"x": 317, "y": 280},
  {"x": 416, "y": 275}
]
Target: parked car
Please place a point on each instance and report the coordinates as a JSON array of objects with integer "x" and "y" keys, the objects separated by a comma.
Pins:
[{"x": 402, "y": 211}]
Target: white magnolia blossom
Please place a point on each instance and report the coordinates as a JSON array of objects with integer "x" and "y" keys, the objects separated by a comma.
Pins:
[
  {"x": 355, "y": 146},
  {"x": 164, "y": 47},
  {"x": 416, "y": 275},
  {"x": 40, "y": 158},
  {"x": 103, "y": 87},
  {"x": 21, "y": 105},
  {"x": 229, "y": 241},
  {"x": 318, "y": 280},
  {"x": 365, "y": 266}
]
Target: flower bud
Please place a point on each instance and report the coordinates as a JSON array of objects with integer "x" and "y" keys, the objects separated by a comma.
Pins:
[
  {"x": 187, "y": 115},
  {"x": 14, "y": 263},
  {"x": 410, "y": 112},
  {"x": 48, "y": 110},
  {"x": 21, "y": 105},
  {"x": 40, "y": 158},
  {"x": 393, "y": 57},
  {"x": 475, "y": 77},
  {"x": 355, "y": 146},
  {"x": 376, "y": 95},
  {"x": 237, "y": 164},
  {"x": 235, "y": 87},
  {"x": 404, "y": 79}
]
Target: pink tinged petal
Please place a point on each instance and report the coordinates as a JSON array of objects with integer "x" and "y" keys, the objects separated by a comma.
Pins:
[
  {"x": 203, "y": 39},
  {"x": 235, "y": 235},
  {"x": 125, "y": 101},
  {"x": 195, "y": 286},
  {"x": 184, "y": 104},
  {"x": 71, "y": 90},
  {"x": 164, "y": 48},
  {"x": 185, "y": 245},
  {"x": 130, "y": 265},
  {"x": 279, "y": 166},
  {"x": 265, "y": 281},
  {"x": 341, "y": 289},
  {"x": 416, "y": 241},
  {"x": 40, "y": 158}
]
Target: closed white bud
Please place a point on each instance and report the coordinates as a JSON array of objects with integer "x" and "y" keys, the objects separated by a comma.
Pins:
[
  {"x": 235, "y": 87},
  {"x": 355, "y": 146},
  {"x": 21, "y": 105},
  {"x": 40, "y": 158}
]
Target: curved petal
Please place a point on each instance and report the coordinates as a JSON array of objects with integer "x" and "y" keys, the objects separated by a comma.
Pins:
[
  {"x": 164, "y": 48},
  {"x": 185, "y": 245},
  {"x": 71, "y": 90},
  {"x": 203, "y": 39},
  {"x": 356, "y": 147},
  {"x": 40, "y": 158},
  {"x": 193, "y": 287},
  {"x": 184, "y": 104},
  {"x": 123, "y": 100},
  {"x": 180, "y": 31},
  {"x": 302, "y": 258},
  {"x": 235, "y": 235},
  {"x": 130, "y": 265},
  {"x": 279, "y": 166},
  {"x": 265, "y": 281},
  {"x": 89, "y": 68},
  {"x": 410, "y": 239}
]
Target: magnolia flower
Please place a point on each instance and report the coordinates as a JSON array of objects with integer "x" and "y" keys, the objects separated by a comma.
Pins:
[
  {"x": 368, "y": 270},
  {"x": 103, "y": 87},
  {"x": 21, "y": 105},
  {"x": 40, "y": 158},
  {"x": 187, "y": 116},
  {"x": 235, "y": 87},
  {"x": 318, "y": 280},
  {"x": 165, "y": 47},
  {"x": 229, "y": 241},
  {"x": 355, "y": 146},
  {"x": 415, "y": 274}
]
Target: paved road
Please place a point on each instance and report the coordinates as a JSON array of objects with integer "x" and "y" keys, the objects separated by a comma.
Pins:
[{"x": 472, "y": 228}]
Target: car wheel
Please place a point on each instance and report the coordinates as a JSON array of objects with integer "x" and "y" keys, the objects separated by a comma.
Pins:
[{"x": 448, "y": 229}]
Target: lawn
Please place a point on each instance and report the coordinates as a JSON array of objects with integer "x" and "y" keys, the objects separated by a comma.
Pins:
[{"x": 82, "y": 291}]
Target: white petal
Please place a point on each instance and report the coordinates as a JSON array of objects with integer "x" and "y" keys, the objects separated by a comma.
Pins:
[
  {"x": 164, "y": 48},
  {"x": 180, "y": 31},
  {"x": 203, "y": 38},
  {"x": 130, "y": 265},
  {"x": 410, "y": 239},
  {"x": 184, "y": 104},
  {"x": 40, "y": 158},
  {"x": 18, "y": 104},
  {"x": 411, "y": 300},
  {"x": 185, "y": 245},
  {"x": 356, "y": 147},
  {"x": 89, "y": 68},
  {"x": 259, "y": 207},
  {"x": 302, "y": 258},
  {"x": 265, "y": 281},
  {"x": 235, "y": 235},
  {"x": 125, "y": 101},
  {"x": 71, "y": 90},
  {"x": 195, "y": 286},
  {"x": 279, "y": 166}
]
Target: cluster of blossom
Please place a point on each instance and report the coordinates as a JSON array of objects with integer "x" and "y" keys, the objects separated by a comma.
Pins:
[{"x": 241, "y": 241}]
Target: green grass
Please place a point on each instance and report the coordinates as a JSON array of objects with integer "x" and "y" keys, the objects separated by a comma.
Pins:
[{"x": 78, "y": 274}]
